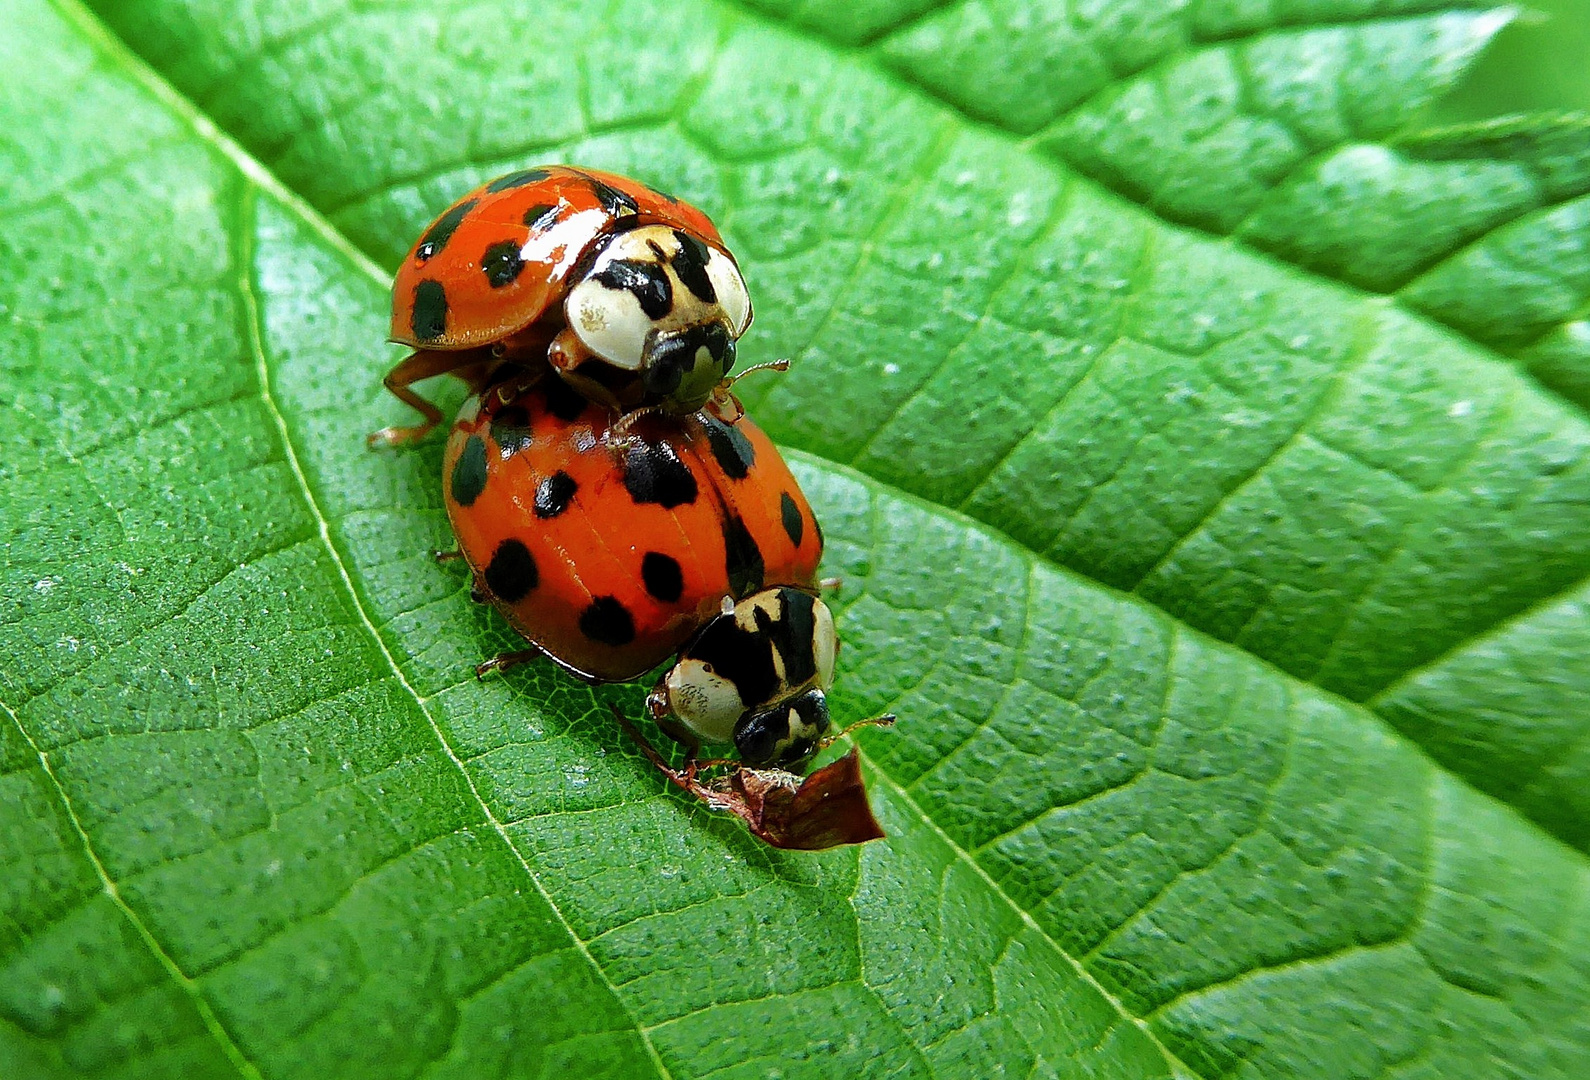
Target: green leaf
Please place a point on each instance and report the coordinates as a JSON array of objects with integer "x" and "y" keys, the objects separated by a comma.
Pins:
[{"x": 1202, "y": 443}]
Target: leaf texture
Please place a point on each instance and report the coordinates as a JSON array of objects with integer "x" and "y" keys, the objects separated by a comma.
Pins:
[{"x": 1221, "y": 543}]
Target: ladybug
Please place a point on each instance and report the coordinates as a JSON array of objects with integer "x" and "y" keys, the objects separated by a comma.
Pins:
[
  {"x": 629, "y": 294},
  {"x": 611, "y": 553}
]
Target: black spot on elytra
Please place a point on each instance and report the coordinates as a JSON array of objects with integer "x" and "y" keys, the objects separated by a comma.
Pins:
[
  {"x": 789, "y": 512},
  {"x": 469, "y": 472},
  {"x": 563, "y": 401},
  {"x": 691, "y": 266},
  {"x": 510, "y": 430},
  {"x": 653, "y": 473},
  {"x": 429, "y": 320},
  {"x": 741, "y": 656},
  {"x": 608, "y": 621},
  {"x": 541, "y": 216},
  {"x": 614, "y": 201},
  {"x": 441, "y": 230},
  {"x": 517, "y": 179},
  {"x": 733, "y": 450},
  {"x": 645, "y": 281},
  {"x": 512, "y": 573},
  {"x": 554, "y": 494},
  {"x": 501, "y": 263},
  {"x": 742, "y": 559},
  {"x": 662, "y": 576}
]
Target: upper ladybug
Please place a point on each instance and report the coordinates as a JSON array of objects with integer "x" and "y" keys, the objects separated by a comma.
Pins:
[{"x": 629, "y": 293}]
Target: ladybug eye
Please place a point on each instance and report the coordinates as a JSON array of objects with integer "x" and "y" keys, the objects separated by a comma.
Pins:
[{"x": 730, "y": 287}]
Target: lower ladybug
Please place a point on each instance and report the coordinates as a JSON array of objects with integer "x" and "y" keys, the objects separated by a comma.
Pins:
[{"x": 612, "y": 552}]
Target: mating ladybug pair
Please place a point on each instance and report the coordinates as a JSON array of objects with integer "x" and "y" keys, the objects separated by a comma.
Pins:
[{"x": 609, "y": 496}]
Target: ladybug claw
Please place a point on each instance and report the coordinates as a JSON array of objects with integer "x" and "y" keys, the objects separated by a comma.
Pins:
[
  {"x": 505, "y": 662},
  {"x": 397, "y": 435}
]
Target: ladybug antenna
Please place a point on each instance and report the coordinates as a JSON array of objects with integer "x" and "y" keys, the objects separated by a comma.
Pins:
[
  {"x": 771, "y": 365},
  {"x": 886, "y": 720}
]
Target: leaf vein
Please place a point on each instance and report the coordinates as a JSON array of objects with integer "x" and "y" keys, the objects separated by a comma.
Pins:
[
  {"x": 212, "y": 1023},
  {"x": 1029, "y": 144},
  {"x": 1081, "y": 972},
  {"x": 248, "y": 291}
]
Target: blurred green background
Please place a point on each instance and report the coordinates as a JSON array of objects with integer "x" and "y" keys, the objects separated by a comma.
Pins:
[{"x": 1542, "y": 61}]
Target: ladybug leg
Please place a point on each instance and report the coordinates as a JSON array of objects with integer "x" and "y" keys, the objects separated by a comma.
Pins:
[
  {"x": 831, "y": 584},
  {"x": 617, "y": 430},
  {"x": 447, "y": 556},
  {"x": 685, "y": 778},
  {"x": 724, "y": 405},
  {"x": 505, "y": 661},
  {"x": 684, "y": 737},
  {"x": 422, "y": 364},
  {"x": 579, "y": 367}
]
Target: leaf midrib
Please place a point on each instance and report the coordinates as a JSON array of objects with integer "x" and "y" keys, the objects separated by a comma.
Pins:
[
  {"x": 201, "y": 1004},
  {"x": 872, "y": 38},
  {"x": 251, "y": 316},
  {"x": 263, "y": 179}
]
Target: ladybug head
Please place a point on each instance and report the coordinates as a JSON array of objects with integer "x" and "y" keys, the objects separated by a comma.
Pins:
[
  {"x": 786, "y": 735},
  {"x": 661, "y": 302},
  {"x": 755, "y": 675}
]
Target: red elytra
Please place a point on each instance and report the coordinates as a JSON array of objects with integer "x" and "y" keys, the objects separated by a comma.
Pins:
[
  {"x": 609, "y": 553},
  {"x": 451, "y": 292}
]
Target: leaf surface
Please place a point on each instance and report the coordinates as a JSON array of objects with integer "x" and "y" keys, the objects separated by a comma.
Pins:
[{"x": 1221, "y": 543}]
